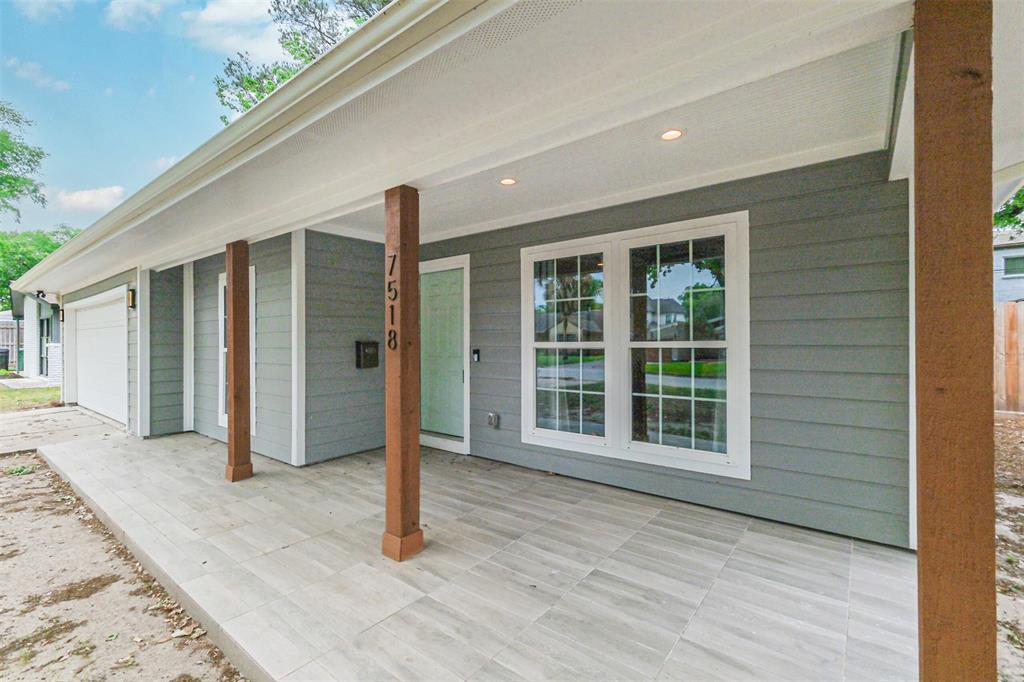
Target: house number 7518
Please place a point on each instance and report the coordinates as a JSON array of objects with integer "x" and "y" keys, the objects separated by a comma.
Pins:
[{"x": 392, "y": 295}]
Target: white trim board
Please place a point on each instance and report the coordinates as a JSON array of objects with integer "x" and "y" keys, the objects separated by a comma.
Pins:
[
  {"x": 298, "y": 335},
  {"x": 188, "y": 314},
  {"x": 142, "y": 295},
  {"x": 436, "y": 441}
]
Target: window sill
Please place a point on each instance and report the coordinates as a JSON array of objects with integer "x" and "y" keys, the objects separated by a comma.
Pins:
[{"x": 686, "y": 460}]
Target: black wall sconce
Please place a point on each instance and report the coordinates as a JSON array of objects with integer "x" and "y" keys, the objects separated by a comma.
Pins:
[{"x": 131, "y": 299}]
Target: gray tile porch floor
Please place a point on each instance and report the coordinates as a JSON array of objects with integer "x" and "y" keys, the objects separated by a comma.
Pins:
[{"x": 524, "y": 576}]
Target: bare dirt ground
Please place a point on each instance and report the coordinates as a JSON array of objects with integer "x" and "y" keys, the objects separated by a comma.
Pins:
[
  {"x": 74, "y": 604},
  {"x": 1010, "y": 544}
]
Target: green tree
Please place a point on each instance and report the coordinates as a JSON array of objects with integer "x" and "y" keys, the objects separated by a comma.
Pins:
[
  {"x": 19, "y": 163},
  {"x": 306, "y": 30},
  {"x": 20, "y": 251},
  {"x": 1010, "y": 215}
]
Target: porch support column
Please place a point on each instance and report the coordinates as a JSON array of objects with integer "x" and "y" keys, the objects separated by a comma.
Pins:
[
  {"x": 402, "y": 534},
  {"x": 953, "y": 264},
  {"x": 239, "y": 410}
]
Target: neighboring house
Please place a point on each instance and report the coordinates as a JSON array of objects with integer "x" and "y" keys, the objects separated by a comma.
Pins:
[
  {"x": 10, "y": 339},
  {"x": 775, "y": 150},
  {"x": 1007, "y": 267},
  {"x": 41, "y": 334}
]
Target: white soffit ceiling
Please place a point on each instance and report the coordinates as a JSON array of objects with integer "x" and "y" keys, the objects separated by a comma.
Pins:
[
  {"x": 536, "y": 76},
  {"x": 829, "y": 109}
]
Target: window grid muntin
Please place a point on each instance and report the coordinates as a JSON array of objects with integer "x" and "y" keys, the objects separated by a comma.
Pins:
[
  {"x": 692, "y": 344},
  {"x": 579, "y": 346}
]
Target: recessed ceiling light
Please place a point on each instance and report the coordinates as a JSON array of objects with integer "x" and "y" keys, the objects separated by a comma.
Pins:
[
  {"x": 508, "y": 182},
  {"x": 672, "y": 134}
]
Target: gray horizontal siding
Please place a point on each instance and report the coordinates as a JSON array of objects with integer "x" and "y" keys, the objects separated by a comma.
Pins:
[
  {"x": 272, "y": 433},
  {"x": 344, "y": 304},
  {"x": 166, "y": 351},
  {"x": 829, "y": 347},
  {"x": 128, "y": 278}
]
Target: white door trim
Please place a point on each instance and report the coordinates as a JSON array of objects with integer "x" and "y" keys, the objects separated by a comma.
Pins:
[{"x": 440, "y": 265}]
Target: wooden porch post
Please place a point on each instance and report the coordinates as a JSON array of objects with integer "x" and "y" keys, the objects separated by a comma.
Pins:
[
  {"x": 953, "y": 245},
  {"x": 239, "y": 465},
  {"x": 402, "y": 534}
]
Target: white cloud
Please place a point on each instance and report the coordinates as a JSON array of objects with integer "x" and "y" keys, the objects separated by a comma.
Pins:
[
  {"x": 151, "y": 92},
  {"x": 44, "y": 10},
  {"x": 128, "y": 15},
  {"x": 101, "y": 199},
  {"x": 33, "y": 73},
  {"x": 229, "y": 26},
  {"x": 165, "y": 162},
  {"x": 108, "y": 92}
]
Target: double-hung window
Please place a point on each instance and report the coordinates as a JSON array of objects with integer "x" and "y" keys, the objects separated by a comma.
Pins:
[
  {"x": 636, "y": 345},
  {"x": 222, "y": 348}
]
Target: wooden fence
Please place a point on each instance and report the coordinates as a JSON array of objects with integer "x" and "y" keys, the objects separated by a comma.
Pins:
[{"x": 1009, "y": 356}]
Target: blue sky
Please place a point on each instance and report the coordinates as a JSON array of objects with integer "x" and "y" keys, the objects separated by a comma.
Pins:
[{"x": 118, "y": 90}]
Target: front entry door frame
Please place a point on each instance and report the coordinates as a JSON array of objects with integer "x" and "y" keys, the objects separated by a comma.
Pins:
[{"x": 436, "y": 441}]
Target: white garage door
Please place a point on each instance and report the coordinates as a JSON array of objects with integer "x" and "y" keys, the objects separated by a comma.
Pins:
[{"x": 101, "y": 358}]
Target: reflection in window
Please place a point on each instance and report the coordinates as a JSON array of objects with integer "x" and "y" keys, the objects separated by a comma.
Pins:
[
  {"x": 568, "y": 298},
  {"x": 677, "y": 291},
  {"x": 570, "y": 390},
  {"x": 677, "y": 301},
  {"x": 568, "y": 303}
]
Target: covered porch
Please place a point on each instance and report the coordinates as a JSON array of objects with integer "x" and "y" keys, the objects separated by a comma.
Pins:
[{"x": 527, "y": 575}]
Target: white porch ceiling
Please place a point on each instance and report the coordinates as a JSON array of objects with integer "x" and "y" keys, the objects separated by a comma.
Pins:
[
  {"x": 829, "y": 109},
  {"x": 566, "y": 95}
]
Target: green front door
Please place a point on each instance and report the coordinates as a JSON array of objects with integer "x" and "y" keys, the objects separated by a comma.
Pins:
[{"x": 441, "y": 352}]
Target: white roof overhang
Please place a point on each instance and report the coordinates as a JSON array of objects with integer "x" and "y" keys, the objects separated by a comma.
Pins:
[
  {"x": 567, "y": 96},
  {"x": 1007, "y": 107}
]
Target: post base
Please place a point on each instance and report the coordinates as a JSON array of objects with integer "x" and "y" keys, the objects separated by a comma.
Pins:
[
  {"x": 401, "y": 548},
  {"x": 238, "y": 472}
]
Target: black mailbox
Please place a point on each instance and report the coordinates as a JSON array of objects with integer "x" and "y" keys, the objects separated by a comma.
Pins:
[{"x": 367, "y": 354}]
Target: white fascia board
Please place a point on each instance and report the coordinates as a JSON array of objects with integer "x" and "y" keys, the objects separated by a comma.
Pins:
[
  {"x": 902, "y": 165},
  {"x": 319, "y": 88}
]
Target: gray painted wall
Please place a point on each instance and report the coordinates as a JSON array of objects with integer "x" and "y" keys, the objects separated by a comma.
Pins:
[
  {"x": 125, "y": 278},
  {"x": 829, "y": 347},
  {"x": 272, "y": 433},
  {"x": 1006, "y": 288},
  {"x": 166, "y": 351},
  {"x": 344, "y": 304}
]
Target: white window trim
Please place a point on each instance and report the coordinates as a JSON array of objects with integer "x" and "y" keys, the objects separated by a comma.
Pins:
[
  {"x": 222, "y": 408},
  {"x": 1005, "y": 276},
  {"x": 616, "y": 442}
]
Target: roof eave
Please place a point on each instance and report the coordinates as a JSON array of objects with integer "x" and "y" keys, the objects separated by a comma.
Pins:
[{"x": 365, "y": 46}]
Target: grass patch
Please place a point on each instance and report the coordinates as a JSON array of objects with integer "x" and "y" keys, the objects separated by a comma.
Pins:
[
  {"x": 12, "y": 399},
  {"x": 683, "y": 369},
  {"x": 20, "y": 470}
]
